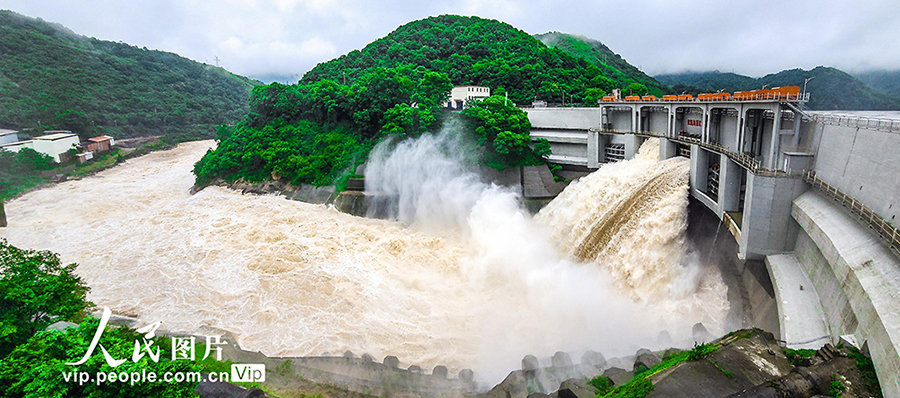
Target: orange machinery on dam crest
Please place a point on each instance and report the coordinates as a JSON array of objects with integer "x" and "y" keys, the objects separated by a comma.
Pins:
[{"x": 787, "y": 93}]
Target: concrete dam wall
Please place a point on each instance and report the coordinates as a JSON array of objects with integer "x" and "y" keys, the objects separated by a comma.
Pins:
[{"x": 813, "y": 196}]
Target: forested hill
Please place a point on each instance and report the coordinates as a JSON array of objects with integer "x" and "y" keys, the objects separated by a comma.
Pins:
[
  {"x": 613, "y": 65},
  {"x": 472, "y": 50},
  {"x": 885, "y": 81},
  {"x": 830, "y": 89},
  {"x": 52, "y": 78},
  {"x": 318, "y": 130},
  {"x": 705, "y": 82}
]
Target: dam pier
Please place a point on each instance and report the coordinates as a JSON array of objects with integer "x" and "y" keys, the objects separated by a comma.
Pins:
[{"x": 810, "y": 195}]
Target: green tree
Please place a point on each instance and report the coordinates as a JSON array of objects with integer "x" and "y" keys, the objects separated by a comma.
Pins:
[
  {"x": 433, "y": 90},
  {"x": 592, "y": 95},
  {"x": 35, "y": 291},
  {"x": 604, "y": 83},
  {"x": 37, "y": 368},
  {"x": 405, "y": 120},
  {"x": 505, "y": 131},
  {"x": 635, "y": 89},
  {"x": 74, "y": 121},
  {"x": 21, "y": 170}
]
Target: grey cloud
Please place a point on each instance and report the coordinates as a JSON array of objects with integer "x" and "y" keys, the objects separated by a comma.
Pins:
[{"x": 288, "y": 37}]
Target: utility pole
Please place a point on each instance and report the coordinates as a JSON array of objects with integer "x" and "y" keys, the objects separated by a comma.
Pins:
[
  {"x": 804, "y": 85},
  {"x": 217, "y": 61}
]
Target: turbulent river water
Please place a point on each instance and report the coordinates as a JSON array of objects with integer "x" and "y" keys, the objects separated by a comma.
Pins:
[{"x": 464, "y": 278}]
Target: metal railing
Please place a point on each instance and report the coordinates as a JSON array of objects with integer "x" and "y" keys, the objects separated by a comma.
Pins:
[
  {"x": 744, "y": 160},
  {"x": 871, "y": 123},
  {"x": 882, "y": 227}
]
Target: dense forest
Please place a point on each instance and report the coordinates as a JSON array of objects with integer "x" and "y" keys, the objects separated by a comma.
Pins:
[
  {"x": 52, "y": 78},
  {"x": 830, "y": 88},
  {"x": 316, "y": 131},
  {"x": 472, "y": 50},
  {"x": 887, "y": 82},
  {"x": 613, "y": 65}
]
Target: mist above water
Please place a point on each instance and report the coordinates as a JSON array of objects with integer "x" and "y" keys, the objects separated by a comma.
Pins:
[
  {"x": 464, "y": 278},
  {"x": 425, "y": 181},
  {"x": 603, "y": 266}
]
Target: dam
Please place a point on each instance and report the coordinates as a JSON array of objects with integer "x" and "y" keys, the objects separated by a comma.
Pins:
[
  {"x": 475, "y": 282},
  {"x": 807, "y": 196}
]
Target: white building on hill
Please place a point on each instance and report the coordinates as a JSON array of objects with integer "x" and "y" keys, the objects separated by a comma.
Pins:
[
  {"x": 462, "y": 94},
  {"x": 56, "y": 144},
  {"x": 8, "y": 136}
]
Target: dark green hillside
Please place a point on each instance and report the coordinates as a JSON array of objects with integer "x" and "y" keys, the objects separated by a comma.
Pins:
[
  {"x": 833, "y": 89},
  {"x": 613, "y": 65},
  {"x": 472, "y": 50},
  {"x": 51, "y": 77},
  {"x": 887, "y": 82},
  {"x": 830, "y": 89}
]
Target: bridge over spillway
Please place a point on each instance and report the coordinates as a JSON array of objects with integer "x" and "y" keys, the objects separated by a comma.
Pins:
[{"x": 811, "y": 194}]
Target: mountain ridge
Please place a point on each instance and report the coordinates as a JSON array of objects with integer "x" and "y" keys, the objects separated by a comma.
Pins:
[
  {"x": 54, "y": 78},
  {"x": 885, "y": 81},
  {"x": 829, "y": 88},
  {"x": 612, "y": 64}
]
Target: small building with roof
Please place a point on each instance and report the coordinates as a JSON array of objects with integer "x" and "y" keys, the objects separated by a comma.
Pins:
[
  {"x": 56, "y": 144},
  {"x": 16, "y": 146},
  {"x": 102, "y": 143},
  {"x": 8, "y": 136},
  {"x": 460, "y": 95}
]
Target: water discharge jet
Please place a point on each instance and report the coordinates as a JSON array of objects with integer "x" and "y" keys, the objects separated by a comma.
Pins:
[{"x": 481, "y": 287}]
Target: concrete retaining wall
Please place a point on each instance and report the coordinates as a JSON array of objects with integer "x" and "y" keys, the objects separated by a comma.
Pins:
[
  {"x": 767, "y": 227},
  {"x": 862, "y": 163},
  {"x": 868, "y": 274},
  {"x": 564, "y": 118},
  {"x": 838, "y": 313}
]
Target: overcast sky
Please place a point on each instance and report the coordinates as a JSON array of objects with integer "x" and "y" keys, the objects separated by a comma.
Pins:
[{"x": 288, "y": 37}]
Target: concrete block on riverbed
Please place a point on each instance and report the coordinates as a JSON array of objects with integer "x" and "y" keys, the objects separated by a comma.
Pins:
[{"x": 538, "y": 183}]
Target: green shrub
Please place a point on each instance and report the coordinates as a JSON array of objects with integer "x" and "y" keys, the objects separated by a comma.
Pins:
[
  {"x": 797, "y": 356},
  {"x": 700, "y": 351},
  {"x": 866, "y": 370},
  {"x": 602, "y": 383},
  {"x": 35, "y": 290},
  {"x": 38, "y": 367}
]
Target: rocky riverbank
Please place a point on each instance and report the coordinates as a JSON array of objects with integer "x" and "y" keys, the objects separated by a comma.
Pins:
[
  {"x": 304, "y": 193},
  {"x": 745, "y": 363}
]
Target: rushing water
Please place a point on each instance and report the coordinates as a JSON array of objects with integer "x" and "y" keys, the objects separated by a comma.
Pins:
[{"x": 466, "y": 278}]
